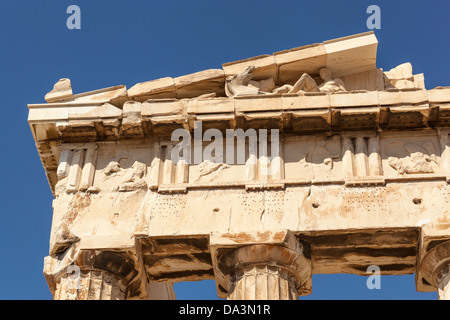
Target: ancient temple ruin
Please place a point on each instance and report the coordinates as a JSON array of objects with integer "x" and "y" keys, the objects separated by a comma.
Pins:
[{"x": 362, "y": 158}]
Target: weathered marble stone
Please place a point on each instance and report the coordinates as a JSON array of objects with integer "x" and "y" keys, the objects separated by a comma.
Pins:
[
  {"x": 257, "y": 175},
  {"x": 62, "y": 90}
]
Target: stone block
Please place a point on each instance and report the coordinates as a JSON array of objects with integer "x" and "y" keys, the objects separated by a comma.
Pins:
[
  {"x": 132, "y": 108},
  {"x": 114, "y": 95},
  {"x": 372, "y": 80},
  {"x": 265, "y": 67},
  {"x": 352, "y": 54},
  {"x": 164, "y": 87},
  {"x": 200, "y": 83},
  {"x": 42, "y": 112},
  {"x": 294, "y": 62},
  {"x": 258, "y": 103},
  {"x": 401, "y": 72},
  {"x": 218, "y": 105},
  {"x": 62, "y": 91},
  {"x": 419, "y": 81},
  {"x": 439, "y": 94},
  {"x": 402, "y": 97},
  {"x": 106, "y": 110},
  {"x": 354, "y": 99},
  {"x": 310, "y": 101},
  {"x": 162, "y": 107}
]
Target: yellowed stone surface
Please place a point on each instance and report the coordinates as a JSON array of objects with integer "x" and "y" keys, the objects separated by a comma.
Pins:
[{"x": 363, "y": 180}]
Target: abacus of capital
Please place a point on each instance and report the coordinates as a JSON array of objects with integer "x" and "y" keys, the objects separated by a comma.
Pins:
[{"x": 364, "y": 172}]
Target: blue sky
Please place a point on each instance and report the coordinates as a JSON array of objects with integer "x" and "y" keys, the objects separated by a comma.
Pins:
[{"x": 125, "y": 42}]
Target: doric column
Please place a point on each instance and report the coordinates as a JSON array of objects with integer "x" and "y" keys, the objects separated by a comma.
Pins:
[
  {"x": 90, "y": 285},
  {"x": 271, "y": 267},
  {"x": 92, "y": 270},
  {"x": 263, "y": 282},
  {"x": 435, "y": 267}
]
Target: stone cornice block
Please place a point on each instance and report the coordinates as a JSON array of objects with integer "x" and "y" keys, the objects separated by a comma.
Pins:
[
  {"x": 270, "y": 115},
  {"x": 216, "y": 117},
  {"x": 201, "y": 76},
  {"x": 360, "y": 111},
  {"x": 144, "y": 90},
  {"x": 115, "y": 95},
  {"x": 199, "y": 83},
  {"x": 300, "y": 53},
  {"x": 402, "y": 97},
  {"x": 309, "y": 101},
  {"x": 311, "y": 113},
  {"x": 422, "y": 108},
  {"x": 294, "y": 62},
  {"x": 202, "y": 106},
  {"x": 131, "y": 108},
  {"x": 168, "y": 119},
  {"x": 354, "y": 99},
  {"x": 444, "y": 107},
  {"x": 351, "y": 54},
  {"x": 258, "y": 103},
  {"x": 106, "y": 110},
  {"x": 162, "y": 107},
  {"x": 265, "y": 67},
  {"x": 439, "y": 94},
  {"x": 48, "y": 113}
]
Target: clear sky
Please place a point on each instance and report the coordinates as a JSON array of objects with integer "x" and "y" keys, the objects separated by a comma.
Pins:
[{"x": 126, "y": 42}]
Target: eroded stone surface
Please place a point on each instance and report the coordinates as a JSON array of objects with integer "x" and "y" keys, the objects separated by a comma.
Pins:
[
  {"x": 363, "y": 179},
  {"x": 62, "y": 90}
]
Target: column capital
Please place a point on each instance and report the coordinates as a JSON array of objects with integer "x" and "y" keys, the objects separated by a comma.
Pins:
[
  {"x": 233, "y": 254},
  {"x": 98, "y": 258},
  {"x": 435, "y": 265}
]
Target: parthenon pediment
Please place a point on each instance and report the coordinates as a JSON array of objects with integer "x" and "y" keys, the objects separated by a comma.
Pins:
[
  {"x": 362, "y": 175},
  {"x": 352, "y": 58}
]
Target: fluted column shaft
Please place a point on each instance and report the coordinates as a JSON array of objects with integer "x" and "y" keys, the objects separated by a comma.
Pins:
[
  {"x": 90, "y": 285},
  {"x": 265, "y": 272},
  {"x": 262, "y": 282}
]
